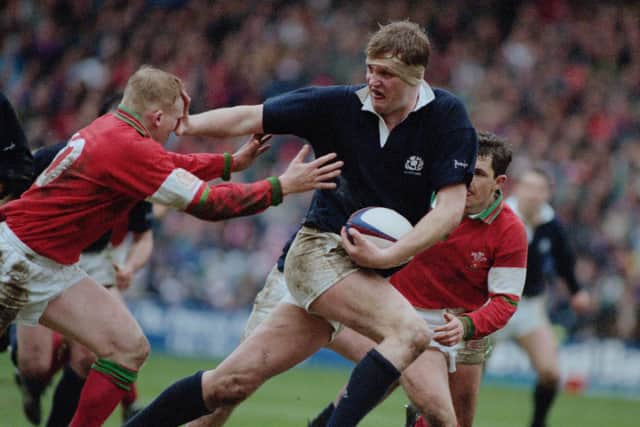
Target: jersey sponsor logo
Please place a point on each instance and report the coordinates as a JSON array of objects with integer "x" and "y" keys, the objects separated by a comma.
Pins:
[
  {"x": 478, "y": 260},
  {"x": 414, "y": 165},
  {"x": 63, "y": 160},
  {"x": 459, "y": 164},
  {"x": 9, "y": 147}
]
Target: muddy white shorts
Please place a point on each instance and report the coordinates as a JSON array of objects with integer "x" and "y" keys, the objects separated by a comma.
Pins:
[
  {"x": 99, "y": 266},
  {"x": 469, "y": 352},
  {"x": 530, "y": 315},
  {"x": 28, "y": 281},
  {"x": 268, "y": 298},
  {"x": 274, "y": 292},
  {"x": 315, "y": 262}
]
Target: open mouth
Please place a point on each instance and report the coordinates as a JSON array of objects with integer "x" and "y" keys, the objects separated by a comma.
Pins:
[{"x": 376, "y": 94}]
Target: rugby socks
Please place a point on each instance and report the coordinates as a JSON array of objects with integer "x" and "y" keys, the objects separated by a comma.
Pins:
[
  {"x": 543, "y": 397},
  {"x": 131, "y": 396},
  {"x": 105, "y": 387},
  {"x": 369, "y": 382},
  {"x": 65, "y": 398},
  {"x": 180, "y": 403},
  {"x": 323, "y": 417}
]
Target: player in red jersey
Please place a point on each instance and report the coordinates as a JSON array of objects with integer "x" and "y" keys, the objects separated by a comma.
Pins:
[
  {"x": 106, "y": 168},
  {"x": 467, "y": 286}
]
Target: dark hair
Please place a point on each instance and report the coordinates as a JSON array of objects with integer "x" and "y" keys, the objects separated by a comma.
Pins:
[
  {"x": 490, "y": 144},
  {"x": 404, "y": 39}
]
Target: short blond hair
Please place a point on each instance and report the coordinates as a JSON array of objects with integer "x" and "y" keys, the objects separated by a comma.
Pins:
[
  {"x": 151, "y": 88},
  {"x": 404, "y": 40}
]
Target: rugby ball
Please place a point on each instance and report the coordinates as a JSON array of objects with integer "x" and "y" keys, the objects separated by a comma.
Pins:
[{"x": 382, "y": 226}]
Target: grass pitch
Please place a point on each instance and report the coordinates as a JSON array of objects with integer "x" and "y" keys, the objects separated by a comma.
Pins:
[{"x": 292, "y": 398}]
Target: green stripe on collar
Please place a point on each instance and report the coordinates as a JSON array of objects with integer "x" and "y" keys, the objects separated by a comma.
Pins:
[
  {"x": 490, "y": 213},
  {"x": 132, "y": 119}
]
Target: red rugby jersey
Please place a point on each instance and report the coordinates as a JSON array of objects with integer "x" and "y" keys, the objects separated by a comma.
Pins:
[
  {"x": 480, "y": 267},
  {"x": 103, "y": 172}
]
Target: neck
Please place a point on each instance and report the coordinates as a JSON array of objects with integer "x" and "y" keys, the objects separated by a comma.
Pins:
[{"x": 394, "y": 118}]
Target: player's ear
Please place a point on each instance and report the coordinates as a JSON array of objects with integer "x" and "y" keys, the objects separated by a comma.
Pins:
[
  {"x": 500, "y": 180},
  {"x": 156, "y": 117}
]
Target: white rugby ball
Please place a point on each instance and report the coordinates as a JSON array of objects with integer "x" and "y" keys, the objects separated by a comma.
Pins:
[{"x": 382, "y": 226}]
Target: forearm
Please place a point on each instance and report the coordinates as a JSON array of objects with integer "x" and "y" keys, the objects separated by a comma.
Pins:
[
  {"x": 225, "y": 201},
  {"x": 206, "y": 166},
  {"x": 226, "y": 122},
  {"x": 505, "y": 286},
  {"x": 140, "y": 251},
  {"x": 490, "y": 317},
  {"x": 433, "y": 227}
]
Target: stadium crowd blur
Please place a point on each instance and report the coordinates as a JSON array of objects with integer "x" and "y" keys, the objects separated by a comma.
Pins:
[{"x": 559, "y": 78}]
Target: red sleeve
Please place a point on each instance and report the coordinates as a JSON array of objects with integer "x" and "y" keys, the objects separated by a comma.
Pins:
[
  {"x": 505, "y": 282},
  {"x": 206, "y": 166},
  {"x": 224, "y": 201},
  {"x": 490, "y": 317}
]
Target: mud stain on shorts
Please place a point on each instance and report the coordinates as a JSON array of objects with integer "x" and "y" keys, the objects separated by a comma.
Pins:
[{"x": 13, "y": 293}]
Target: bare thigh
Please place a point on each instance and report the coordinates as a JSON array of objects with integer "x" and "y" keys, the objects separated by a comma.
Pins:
[
  {"x": 426, "y": 382},
  {"x": 368, "y": 304},
  {"x": 35, "y": 350},
  {"x": 288, "y": 336},
  {"x": 540, "y": 345},
  {"x": 351, "y": 345},
  {"x": 90, "y": 315},
  {"x": 465, "y": 388}
]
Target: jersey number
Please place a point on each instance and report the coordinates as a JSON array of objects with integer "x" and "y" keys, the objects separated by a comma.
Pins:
[{"x": 62, "y": 161}]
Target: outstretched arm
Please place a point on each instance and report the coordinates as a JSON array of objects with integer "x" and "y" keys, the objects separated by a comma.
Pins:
[
  {"x": 184, "y": 191},
  {"x": 223, "y": 122}
]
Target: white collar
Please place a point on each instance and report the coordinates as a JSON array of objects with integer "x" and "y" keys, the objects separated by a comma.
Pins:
[{"x": 425, "y": 96}]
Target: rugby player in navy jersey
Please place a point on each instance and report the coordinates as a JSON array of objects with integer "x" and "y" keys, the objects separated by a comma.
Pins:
[
  {"x": 401, "y": 140},
  {"x": 550, "y": 254},
  {"x": 106, "y": 169},
  {"x": 16, "y": 165}
]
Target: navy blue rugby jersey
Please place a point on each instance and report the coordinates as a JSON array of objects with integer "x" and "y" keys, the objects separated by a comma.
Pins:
[{"x": 433, "y": 147}]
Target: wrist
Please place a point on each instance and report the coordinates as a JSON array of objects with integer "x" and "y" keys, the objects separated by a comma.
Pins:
[
  {"x": 468, "y": 327},
  {"x": 228, "y": 166},
  {"x": 277, "y": 192}
]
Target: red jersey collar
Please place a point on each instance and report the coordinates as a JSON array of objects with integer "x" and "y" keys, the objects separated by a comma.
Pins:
[{"x": 132, "y": 119}]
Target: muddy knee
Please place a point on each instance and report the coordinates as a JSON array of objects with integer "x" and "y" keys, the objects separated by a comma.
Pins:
[
  {"x": 231, "y": 389},
  {"x": 416, "y": 336}
]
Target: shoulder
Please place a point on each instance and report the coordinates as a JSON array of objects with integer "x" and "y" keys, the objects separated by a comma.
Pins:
[
  {"x": 446, "y": 100},
  {"x": 508, "y": 223},
  {"x": 45, "y": 155}
]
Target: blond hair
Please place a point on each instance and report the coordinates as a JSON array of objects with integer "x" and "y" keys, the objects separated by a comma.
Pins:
[
  {"x": 404, "y": 40},
  {"x": 151, "y": 88}
]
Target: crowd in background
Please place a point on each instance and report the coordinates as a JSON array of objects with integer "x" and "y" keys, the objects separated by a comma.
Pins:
[{"x": 560, "y": 79}]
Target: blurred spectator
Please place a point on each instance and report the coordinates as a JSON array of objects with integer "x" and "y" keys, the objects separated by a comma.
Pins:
[{"x": 559, "y": 78}]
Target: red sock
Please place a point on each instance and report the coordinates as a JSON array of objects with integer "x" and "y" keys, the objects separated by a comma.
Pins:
[
  {"x": 130, "y": 396},
  {"x": 99, "y": 397}
]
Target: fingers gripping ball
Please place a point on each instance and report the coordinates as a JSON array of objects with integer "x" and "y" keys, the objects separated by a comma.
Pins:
[{"x": 382, "y": 226}]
